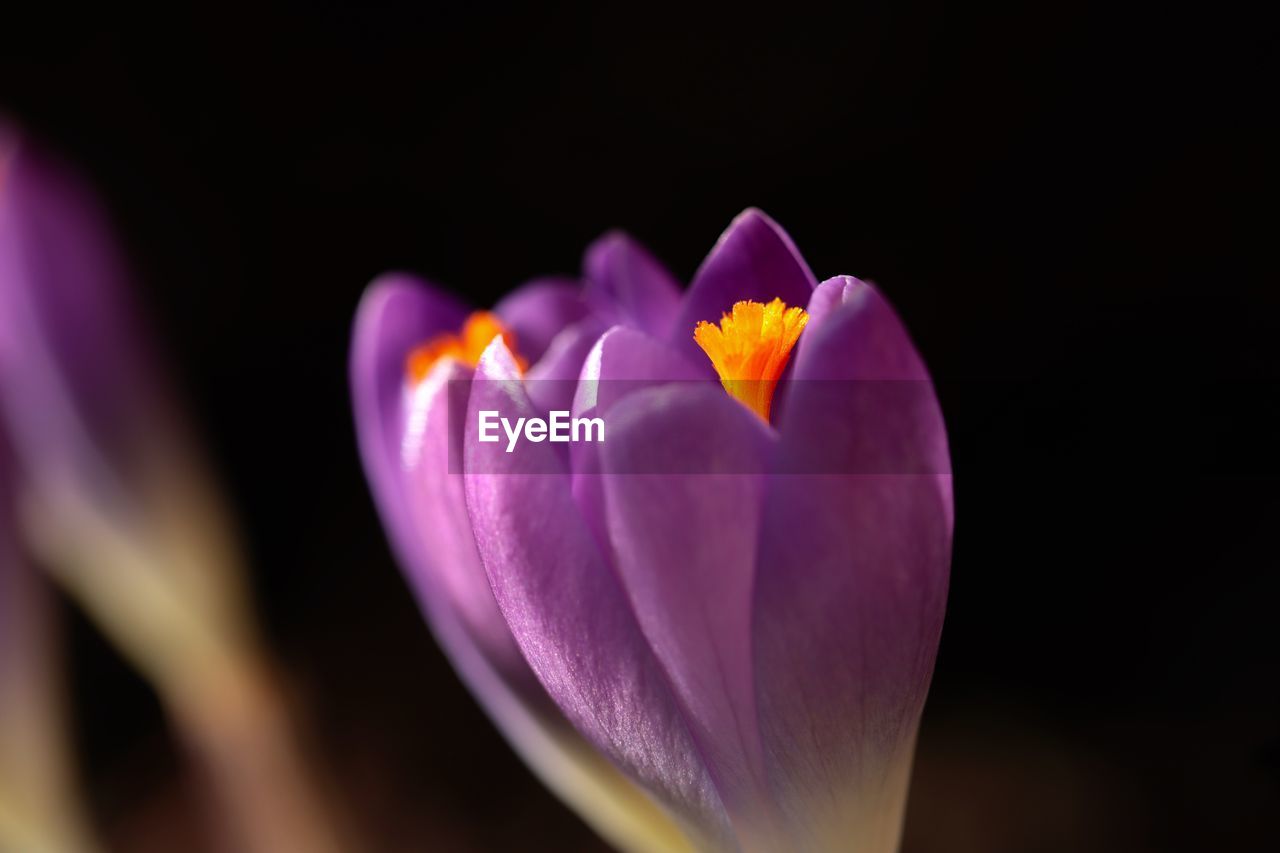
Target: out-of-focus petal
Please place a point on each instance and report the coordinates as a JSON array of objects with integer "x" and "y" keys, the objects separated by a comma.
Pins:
[
  {"x": 754, "y": 259},
  {"x": 38, "y": 809},
  {"x": 627, "y": 285},
  {"x": 538, "y": 311},
  {"x": 74, "y": 355},
  {"x": 684, "y": 476},
  {"x": 852, "y": 576},
  {"x": 116, "y": 495},
  {"x": 117, "y": 505},
  {"x": 568, "y": 612}
]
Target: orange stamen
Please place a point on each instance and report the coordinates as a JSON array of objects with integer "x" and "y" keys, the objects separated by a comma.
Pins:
[
  {"x": 750, "y": 348},
  {"x": 477, "y": 333}
]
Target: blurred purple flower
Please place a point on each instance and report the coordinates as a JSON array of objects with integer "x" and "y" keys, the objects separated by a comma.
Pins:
[
  {"x": 739, "y": 606},
  {"x": 114, "y": 494},
  {"x": 114, "y": 500}
]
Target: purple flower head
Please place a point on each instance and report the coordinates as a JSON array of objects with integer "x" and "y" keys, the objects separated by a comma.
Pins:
[
  {"x": 114, "y": 496},
  {"x": 115, "y": 503},
  {"x": 75, "y": 374},
  {"x": 736, "y": 594}
]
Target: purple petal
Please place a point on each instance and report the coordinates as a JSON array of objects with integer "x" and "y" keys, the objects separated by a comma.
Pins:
[
  {"x": 875, "y": 345},
  {"x": 538, "y": 311},
  {"x": 754, "y": 259},
  {"x": 827, "y": 297},
  {"x": 622, "y": 362},
  {"x": 81, "y": 395},
  {"x": 396, "y": 313},
  {"x": 553, "y": 749},
  {"x": 628, "y": 286},
  {"x": 404, "y": 439},
  {"x": 454, "y": 593},
  {"x": 567, "y": 610},
  {"x": 852, "y": 577},
  {"x": 447, "y": 563},
  {"x": 554, "y": 379},
  {"x": 77, "y": 379},
  {"x": 684, "y": 480}
]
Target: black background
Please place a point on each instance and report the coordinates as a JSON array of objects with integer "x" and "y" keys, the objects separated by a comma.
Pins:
[{"x": 1072, "y": 207}]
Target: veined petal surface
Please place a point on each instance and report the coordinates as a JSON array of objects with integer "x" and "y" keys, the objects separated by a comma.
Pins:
[
  {"x": 852, "y": 576},
  {"x": 685, "y": 471},
  {"x": 568, "y": 612},
  {"x": 404, "y": 439}
]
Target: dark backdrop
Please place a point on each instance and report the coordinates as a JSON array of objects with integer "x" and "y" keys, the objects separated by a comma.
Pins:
[{"x": 1073, "y": 209}]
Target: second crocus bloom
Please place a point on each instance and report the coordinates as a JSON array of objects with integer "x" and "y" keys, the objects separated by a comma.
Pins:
[{"x": 736, "y": 598}]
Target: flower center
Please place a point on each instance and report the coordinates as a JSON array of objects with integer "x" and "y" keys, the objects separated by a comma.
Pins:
[
  {"x": 750, "y": 348},
  {"x": 479, "y": 330}
]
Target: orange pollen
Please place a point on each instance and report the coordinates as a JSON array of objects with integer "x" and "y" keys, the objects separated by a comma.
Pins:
[
  {"x": 467, "y": 346},
  {"x": 750, "y": 348}
]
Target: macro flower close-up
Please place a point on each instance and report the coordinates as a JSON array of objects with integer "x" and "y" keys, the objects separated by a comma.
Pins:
[
  {"x": 736, "y": 596},
  {"x": 585, "y": 427}
]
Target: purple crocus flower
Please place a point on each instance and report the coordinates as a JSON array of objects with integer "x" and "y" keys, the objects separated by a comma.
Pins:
[{"x": 737, "y": 596}]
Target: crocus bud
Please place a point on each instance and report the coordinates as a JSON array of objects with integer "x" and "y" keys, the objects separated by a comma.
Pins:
[
  {"x": 737, "y": 595},
  {"x": 114, "y": 499},
  {"x": 112, "y": 492}
]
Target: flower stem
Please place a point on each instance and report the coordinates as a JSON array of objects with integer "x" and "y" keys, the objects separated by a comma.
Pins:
[{"x": 238, "y": 729}]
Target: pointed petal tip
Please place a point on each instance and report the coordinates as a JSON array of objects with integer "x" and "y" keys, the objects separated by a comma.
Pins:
[
  {"x": 591, "y": 364},
  {"x": 397, "y": 286},
  {"x": 755, "y": 218},
  {"x": 396, "y": 311},
  {"x": 754, "y": 260},
  {"x": 753, "y": 212},
  {"x": 626, "y": 283},
  {"x": 586, "y": 394},
  {"x": 497, "y": 362},
  {"x": 611, "y": 239},
  {"x": 539, "y": 310},
  {"x": 393, "y": 281},
  {"x": 604, "y": 249}
]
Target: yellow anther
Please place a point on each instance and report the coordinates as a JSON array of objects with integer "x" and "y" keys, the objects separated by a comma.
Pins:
[
  {"x": 477, "y": 333},
  {"x": 750, "y": 348}
]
